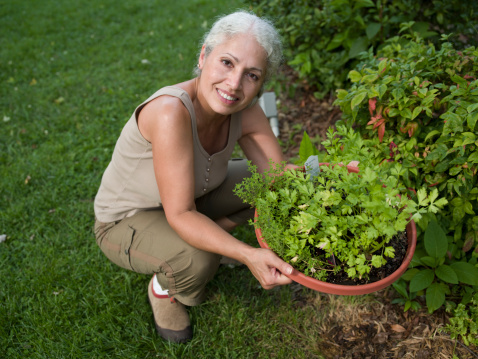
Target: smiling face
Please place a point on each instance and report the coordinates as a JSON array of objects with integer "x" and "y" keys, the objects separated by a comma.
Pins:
[{"x": 232, "y": 74}]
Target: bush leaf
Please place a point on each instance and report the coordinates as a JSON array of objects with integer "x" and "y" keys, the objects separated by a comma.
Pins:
[
  {"x": 307, "y": 148},
  {"x": 372, "y": 29},
  {"x": 422, "y": 280},
  {"x": 400, "y": 288},
  {"x": 410, "y": 273},
  {"x": 436, "y": 243},
  {"x": 467, "y": 273},
  {"x": 357, "y": 100},
  {"x": 435, "y": 296},
  {"x": 355, "y": 76},
  {"x": 446, "y": 274},
  {"x": 471, "y": 119}
]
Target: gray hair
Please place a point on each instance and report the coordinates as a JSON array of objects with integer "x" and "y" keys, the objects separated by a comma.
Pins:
[{"x": 243, "y": 22}]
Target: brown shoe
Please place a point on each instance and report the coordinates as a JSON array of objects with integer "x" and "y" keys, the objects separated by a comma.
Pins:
[{"x": 170, "y": 317}]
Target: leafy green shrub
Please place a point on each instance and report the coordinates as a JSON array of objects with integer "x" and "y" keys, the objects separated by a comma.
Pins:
[
  {"x": 419, "y": 104},
  {"x": 464, "y": 323},
  {"x": 323, "y": 39}
]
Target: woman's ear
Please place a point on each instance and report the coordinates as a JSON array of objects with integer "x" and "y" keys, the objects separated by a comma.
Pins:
[{"x": 202, "y": 57}]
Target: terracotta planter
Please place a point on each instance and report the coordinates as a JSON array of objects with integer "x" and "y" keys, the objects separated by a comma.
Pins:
[{"x": 330, "y": 288}]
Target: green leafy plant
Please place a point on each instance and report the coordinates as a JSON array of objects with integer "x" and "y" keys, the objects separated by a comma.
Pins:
[
  {"x": 407, "y": 299},
  {"x": 349, "y": 217},
  {"x": 324, "y": 38},
  {"x": 433, "y": 272},
  {"x": 416, "y": 105},
  {"x": 464, "y": 323}
]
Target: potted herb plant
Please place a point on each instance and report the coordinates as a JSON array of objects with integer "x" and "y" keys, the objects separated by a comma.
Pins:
[{"x": 343, "y": 229}]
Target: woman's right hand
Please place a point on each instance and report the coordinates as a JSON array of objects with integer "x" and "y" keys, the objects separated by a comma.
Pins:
[{"x": 268, "y": 268}]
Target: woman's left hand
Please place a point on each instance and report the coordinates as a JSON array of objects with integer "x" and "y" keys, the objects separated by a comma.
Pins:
[{"x": 268, "y": 268}]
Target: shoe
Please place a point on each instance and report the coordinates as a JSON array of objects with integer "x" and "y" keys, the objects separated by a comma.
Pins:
[{"x": 170, "y": 317}]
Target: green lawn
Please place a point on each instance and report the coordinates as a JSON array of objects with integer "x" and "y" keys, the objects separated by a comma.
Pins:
[{"x": 71, "y": 73}]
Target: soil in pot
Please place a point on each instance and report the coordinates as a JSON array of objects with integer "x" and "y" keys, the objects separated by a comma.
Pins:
[{"x": 399, "y": 244}]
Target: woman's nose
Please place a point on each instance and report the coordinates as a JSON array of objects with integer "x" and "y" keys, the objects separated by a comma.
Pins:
[{"x": 235, "y": 80}]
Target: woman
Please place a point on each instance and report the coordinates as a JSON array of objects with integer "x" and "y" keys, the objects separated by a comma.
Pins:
[{"x": 165, "y": 204}]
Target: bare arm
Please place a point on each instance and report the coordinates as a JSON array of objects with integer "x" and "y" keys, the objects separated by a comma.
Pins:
[
  {"x": 172, "y": 142},
  {"x": 258, "y": 141}
]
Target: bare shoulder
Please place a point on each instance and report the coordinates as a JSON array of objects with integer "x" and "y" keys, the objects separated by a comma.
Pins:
[{"x": 165, "y": 112}]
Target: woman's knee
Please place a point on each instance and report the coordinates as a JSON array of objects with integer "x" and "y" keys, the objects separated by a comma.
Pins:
[
  {"x": 204, "y": 266},
  {"x": 189, "y": 283}
]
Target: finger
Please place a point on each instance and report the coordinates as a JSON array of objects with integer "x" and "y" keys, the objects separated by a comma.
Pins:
[
  {"x": 277, "y": 279},
  {"x": 287, "y": 269},
  {"x": 281, "y": 279},
  {"x": 284, "y": 280},
  {"x": 282, "y": 266},
  {"x": 280, "y": 273}
]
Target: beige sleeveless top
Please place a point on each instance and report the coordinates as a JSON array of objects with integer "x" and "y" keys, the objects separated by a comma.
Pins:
[{"x": 129, "y": 186}]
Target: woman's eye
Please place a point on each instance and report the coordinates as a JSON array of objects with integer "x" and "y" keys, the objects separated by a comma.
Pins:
[
  {"x": 226, "y": 62},
  {"x": 253, "y": 76}
]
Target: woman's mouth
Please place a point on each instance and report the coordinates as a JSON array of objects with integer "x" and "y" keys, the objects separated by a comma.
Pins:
[{"x": 229, "y": 99}]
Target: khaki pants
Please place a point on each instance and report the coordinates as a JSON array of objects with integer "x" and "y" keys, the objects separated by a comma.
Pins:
[{"x": 145, "y": 243}]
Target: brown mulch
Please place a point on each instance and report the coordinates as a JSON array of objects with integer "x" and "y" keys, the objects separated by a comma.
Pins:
[
  {"x": 374, "y": 327},
  {"x": 302, "y": 113}
]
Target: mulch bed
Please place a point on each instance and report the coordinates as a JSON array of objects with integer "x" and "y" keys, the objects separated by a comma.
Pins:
[
  {"x": 380, "y": 329},
  {"x": 302, "y": 113},
  {"x": 377, "y": 328}
]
